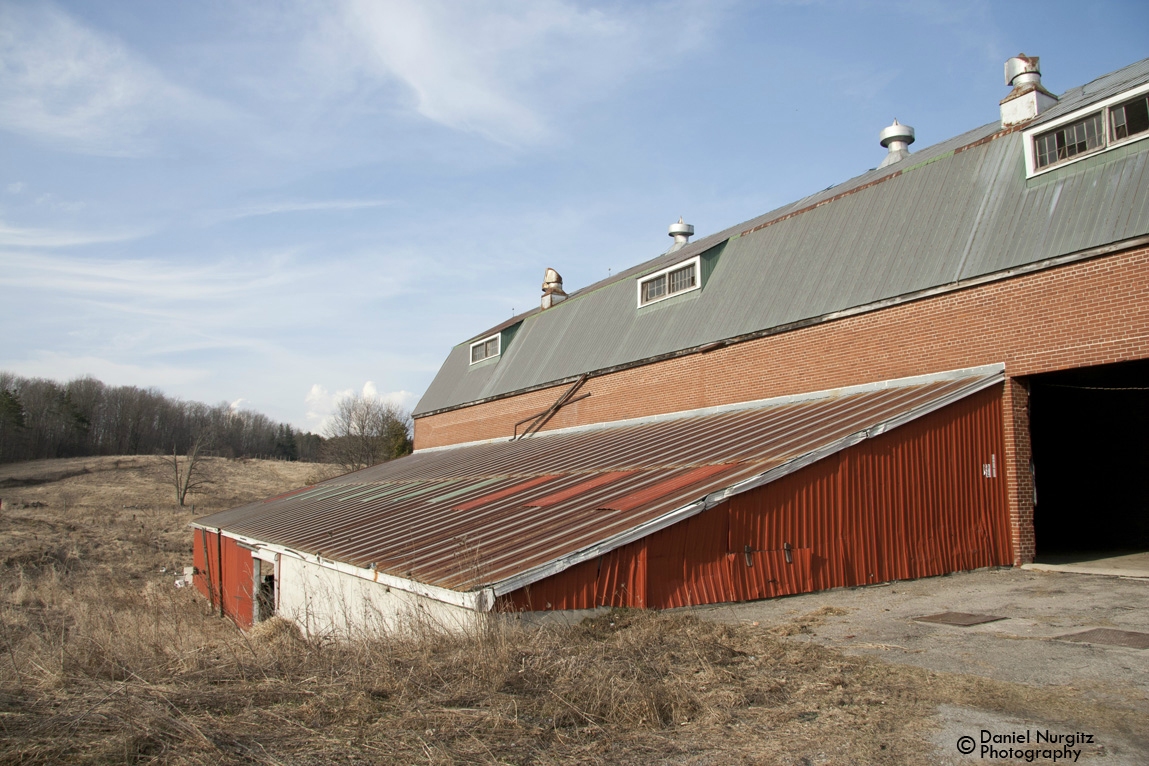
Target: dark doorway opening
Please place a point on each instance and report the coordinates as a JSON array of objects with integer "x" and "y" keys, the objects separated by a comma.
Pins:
[
  {"x": 1090, "y": 435},
  {"x": 264, "y": 590}
]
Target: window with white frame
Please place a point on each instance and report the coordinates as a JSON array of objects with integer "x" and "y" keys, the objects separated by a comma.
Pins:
[
  {"x": 1070, "y": 140},
  {"x": 485, "y": 348},
  {"x": 671, "y": 281},
  {"x": 1111, "y": 123},
  {"x": 1130, "y": 118}
]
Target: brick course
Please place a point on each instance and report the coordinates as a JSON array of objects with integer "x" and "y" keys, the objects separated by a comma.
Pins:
[{"x": 1081, "y": 314}]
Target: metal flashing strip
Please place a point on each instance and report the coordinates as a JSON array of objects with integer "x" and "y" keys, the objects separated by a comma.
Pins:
[
  {"x": 994, "y": 374},
  {"x": 913, "y": 380}
]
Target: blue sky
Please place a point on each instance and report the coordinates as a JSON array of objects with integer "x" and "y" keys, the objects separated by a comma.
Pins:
[{"x": 272, "y": 203}]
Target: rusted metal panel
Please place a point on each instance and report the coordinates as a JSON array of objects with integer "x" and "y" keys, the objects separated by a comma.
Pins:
[
  {"x": 616, "y": 579},
  {"x": 924, "y": 499},
  {"x": 404, "y": 516},
  {"x": 503, "y": 493},
  {"x": 238, "y": 582},
  {"x": 224, "y": 574},
  {"x": 579, "y": 489},
  {"x": 206, "y": 565},
  {"x": 663, "y": 488}
]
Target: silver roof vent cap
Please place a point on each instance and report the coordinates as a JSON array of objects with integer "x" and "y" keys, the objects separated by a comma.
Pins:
[
  {"x": 552, "y": 289},
  {"x": 1029, "y": 97},
  {"x": 682, "y": 232},
  {"x": 1022, "y": 70},
  {"x": 897, "y": 139}
]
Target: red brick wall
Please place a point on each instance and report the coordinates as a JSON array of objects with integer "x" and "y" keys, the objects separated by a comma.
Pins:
[{"x": 1087, "y": 313}]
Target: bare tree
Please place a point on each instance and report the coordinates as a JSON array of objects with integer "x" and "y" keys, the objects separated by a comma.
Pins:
[
  {"x": 365, "y": 431},
  {"x": 188, "y": 471}
]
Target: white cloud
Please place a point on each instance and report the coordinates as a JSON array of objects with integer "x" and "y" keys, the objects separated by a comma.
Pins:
[
  {"x": 275, "y": 208},
  {"x": 136, "y": 281},
  {"x": 507, "y": 69},
  {"x": 11, "y": 236},
  {"x": 15, "y": 187},
  {"x": 57, "y": 366},
  {"x": 69, "y": 86},
  {"x": 321, "y": 402}
]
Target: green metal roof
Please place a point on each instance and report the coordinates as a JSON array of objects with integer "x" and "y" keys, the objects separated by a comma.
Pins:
[{"x": 951, "y": 212}]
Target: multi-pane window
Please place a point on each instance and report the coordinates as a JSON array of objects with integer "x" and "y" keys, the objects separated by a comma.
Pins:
[
  {"x": 670, "y": 282},
  {"x": 1115, "y": 121},
  {"x": 682, "y": 279},
  {"x": 1070, "y": 140},
  {"x": 1129, "y": 119},
  {"x": 652, "y": 289},
  {"x": 485, "y": 349}
]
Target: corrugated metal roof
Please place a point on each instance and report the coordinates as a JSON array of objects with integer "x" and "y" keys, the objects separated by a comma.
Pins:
[
  {"x": 956, "y": 210},
  {"x": 476, "y": 515}
]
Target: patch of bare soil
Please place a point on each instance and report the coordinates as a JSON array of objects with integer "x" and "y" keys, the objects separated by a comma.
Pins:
[{"x": 103, "y": 660}]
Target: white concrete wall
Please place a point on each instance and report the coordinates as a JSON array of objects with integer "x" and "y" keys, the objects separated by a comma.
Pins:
[{"x": 323, "y": 600}]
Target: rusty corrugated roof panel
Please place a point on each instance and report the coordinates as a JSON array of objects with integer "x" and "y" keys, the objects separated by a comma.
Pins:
[{"x": 485, "y": 514}]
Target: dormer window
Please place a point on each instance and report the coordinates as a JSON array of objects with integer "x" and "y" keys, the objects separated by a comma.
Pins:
[
  {"x": 1109, "y": 124},
  {"x": 1130, "y": 118},
  {"x": 1071, "y": 140},
  {"x": 674, "y": 280},
  {"x": 485, "y": 348}
]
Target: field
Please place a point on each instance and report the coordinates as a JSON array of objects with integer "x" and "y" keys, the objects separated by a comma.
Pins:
[{"x": 104, "y": 660}]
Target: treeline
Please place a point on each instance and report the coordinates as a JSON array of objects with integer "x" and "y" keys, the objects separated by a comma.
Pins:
[{"x": 41, "y": 418}]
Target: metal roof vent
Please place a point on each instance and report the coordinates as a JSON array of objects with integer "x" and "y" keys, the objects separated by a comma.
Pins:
[
  {"x": 552, "y": 289},
  {"x": 897, "y": 138},
  {"x": 1028, "y": 97},
  {"x": 682, "y": 232}
]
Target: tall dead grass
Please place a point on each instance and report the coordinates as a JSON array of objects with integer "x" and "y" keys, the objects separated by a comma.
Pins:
[
  {"x": 105, "y": 667},
  {"x": 104, "y": 660}
]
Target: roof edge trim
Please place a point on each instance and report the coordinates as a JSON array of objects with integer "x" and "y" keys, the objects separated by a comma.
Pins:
[
  {"x": 865, "y": 308},
  {"x": 670, "y": 518},
  {"x": 827, "y": 393}
]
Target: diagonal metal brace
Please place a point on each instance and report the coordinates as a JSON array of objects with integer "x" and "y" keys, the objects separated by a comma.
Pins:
[{"x": 541, "y": 419}]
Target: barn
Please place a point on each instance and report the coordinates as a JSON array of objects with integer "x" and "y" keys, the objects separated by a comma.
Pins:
[{"x": 938, "y": 365}]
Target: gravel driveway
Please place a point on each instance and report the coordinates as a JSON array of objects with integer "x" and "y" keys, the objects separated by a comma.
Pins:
[{"x": 1036, "y": 644}]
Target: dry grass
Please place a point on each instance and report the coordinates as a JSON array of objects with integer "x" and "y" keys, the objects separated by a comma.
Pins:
[{"x": 103, "y": 660}]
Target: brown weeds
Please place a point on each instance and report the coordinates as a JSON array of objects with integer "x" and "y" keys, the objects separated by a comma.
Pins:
[{"x": 104, "y": 660}]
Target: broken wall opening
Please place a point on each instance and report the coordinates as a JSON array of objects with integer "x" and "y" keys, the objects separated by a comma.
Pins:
[{"x": 1090, "y": 436}]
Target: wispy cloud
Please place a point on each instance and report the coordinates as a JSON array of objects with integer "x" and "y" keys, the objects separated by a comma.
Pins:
[
  {"x": 69, "y": 86},
  {"x": 11, "y": 236},
  {"x": 136, "y": 281},
  {"x": 276, "y": 208},
  {"x": 507, "y": 69},
  {"x": 60, "y": 366}
]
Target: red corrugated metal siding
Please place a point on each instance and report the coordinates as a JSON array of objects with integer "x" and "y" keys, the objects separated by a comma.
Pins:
[
  {"x": 238, "y": 581},
  {"x": 237, "y": 570},
  {"x": 910, "y": 503},
  {"x": 400, "y": 516},
  {"x": 617, "y": 578},
  {"x": 206, "y": 565}
]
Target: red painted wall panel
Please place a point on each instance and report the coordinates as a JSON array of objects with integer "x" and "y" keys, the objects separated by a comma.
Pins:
[
  {"x": 924, "y": 499},
  {"x": 237, "y": 575}
]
